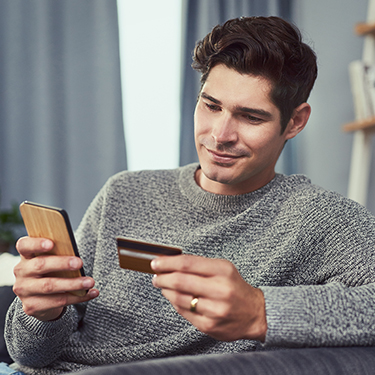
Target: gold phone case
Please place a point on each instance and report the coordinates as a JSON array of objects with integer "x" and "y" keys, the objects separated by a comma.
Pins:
[{"x": 52, "y": 223}]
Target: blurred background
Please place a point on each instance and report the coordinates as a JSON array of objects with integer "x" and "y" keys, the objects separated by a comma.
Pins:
[{"x": 92, "y": 87}]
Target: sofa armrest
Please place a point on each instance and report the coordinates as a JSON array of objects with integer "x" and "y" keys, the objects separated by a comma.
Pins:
[{"x": 308, "y": 361}]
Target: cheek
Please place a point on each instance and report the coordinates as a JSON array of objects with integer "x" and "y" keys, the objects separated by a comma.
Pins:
[
  {"x": 255, "y": 137},
  {"x": 201, "y": 123},
  {"x": 262, "y": 141}
]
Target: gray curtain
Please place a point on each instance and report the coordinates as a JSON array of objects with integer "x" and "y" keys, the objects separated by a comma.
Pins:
[
  {"x": 200, "y": 16},
  {"x": 61, "y": 130}
]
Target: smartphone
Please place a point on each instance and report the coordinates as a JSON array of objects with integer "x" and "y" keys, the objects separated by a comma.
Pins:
[
  {"x": 53, "y": 223},
  {"x": 137, "y": 255}
]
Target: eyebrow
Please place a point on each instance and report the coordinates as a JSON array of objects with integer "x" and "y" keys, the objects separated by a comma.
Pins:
[
  {"x": 254, "y": 111},
  {"x": 209, "y": 97}
]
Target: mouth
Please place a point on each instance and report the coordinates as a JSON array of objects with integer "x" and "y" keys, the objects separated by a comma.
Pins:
[{"x": 223, "y": 158}]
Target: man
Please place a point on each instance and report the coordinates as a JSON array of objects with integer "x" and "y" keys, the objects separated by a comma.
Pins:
[{"x": 269, "y": 260}]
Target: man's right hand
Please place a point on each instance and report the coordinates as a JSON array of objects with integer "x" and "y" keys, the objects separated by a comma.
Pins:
[{"x": 42, "y": 296}]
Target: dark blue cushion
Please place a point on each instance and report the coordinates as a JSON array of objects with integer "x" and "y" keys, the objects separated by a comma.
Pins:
[
  {"x": 6, "y": 298},
  {"x": 309, "y": 361}
]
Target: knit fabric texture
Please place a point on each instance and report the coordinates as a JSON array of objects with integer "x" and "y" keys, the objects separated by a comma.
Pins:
[{"x": 311, "y": 252}]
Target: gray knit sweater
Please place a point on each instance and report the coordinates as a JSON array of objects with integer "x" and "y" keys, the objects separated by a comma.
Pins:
[{"x": 309, "y": 250}]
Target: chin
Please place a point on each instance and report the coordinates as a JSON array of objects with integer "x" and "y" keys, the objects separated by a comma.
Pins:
[{"x": 219, "y": 174}]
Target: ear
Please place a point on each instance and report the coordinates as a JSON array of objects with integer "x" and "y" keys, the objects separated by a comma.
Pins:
[{"x": 298, "y": 120}]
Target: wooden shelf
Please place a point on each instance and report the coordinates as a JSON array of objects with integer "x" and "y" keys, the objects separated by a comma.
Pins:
[
  {"x": 363, "y": 129},
  {"x": 365, "y": 28},
  {"x": 367, "y": 124}
]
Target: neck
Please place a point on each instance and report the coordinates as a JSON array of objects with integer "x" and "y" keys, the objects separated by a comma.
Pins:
[{"x": 244, "y": 187}]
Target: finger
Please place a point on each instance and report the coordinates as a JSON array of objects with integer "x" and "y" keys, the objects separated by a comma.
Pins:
[
  {"x": 213, "y": 287},
  {"x": 184, "y": 303},
  {"x": 188, "y": 304},
  {"x": 49, "y": 307},
  {"x": 28, "y": 247},
  {"x": 217, "y": 318},
  {"x": 190, "y": 264},
  {"x": 41, "y": 265},
  {"x": 51, "y": 285},
  {"x": 208, "y": 316}
]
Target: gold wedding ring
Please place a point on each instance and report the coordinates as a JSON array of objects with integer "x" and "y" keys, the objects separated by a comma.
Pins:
[{"x": 193, "y": 304}]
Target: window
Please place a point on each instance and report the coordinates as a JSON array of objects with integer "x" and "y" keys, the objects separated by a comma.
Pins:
[{"x": 150, "y": 52}]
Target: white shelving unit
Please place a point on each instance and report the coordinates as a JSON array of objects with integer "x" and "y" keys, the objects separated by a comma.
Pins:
[{"x": 363, "y": 127}]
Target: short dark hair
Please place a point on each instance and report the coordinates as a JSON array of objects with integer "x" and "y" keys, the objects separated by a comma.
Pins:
[{"x": 262, "y": 46}]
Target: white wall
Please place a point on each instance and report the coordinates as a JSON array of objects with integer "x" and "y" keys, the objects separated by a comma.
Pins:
[
  {"x": 325, "y": 149},
  {"x": 150, "y": 52}
]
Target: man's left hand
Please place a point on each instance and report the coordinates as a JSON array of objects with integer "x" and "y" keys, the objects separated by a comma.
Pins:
[{"x": 228, "y": 308}]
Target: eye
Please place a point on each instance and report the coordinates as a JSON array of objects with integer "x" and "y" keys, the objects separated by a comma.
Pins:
[
  {"x": 252, "y": 119},
  {"x": 212, "y": 107}
]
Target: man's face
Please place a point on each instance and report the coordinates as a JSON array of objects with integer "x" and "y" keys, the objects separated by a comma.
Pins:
[{"x": 237, "y": 132}]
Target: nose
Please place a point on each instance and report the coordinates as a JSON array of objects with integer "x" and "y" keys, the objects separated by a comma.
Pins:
[{"x": 224, "y": 130}]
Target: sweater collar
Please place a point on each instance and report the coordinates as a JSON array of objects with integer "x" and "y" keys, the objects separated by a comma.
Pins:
[{"x": 216, "y": 202}]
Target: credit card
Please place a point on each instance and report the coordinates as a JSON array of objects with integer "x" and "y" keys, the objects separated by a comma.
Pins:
[{"x": 137, "y": 255}]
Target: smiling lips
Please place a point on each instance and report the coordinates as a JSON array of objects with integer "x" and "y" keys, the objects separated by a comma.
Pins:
[{"x": 222, "y": 157}]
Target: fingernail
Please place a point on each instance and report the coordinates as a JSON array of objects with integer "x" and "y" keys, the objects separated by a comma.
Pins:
[
  {"x": 47, "y": 244},
  {"x": 93, "y": 293},
  {"x": 87, "y": 283},
  {"x": 74, "y": 263},
  {"x": 154, "y": 264},
  {"x": 154, "y": 281}
]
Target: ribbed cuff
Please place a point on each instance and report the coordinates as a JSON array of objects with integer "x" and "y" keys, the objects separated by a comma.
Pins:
[
  {"x": 289, "y": 319},
  {"x": 48, "y": 329}
]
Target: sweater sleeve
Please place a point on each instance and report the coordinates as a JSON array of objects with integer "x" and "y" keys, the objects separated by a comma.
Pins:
[
  {"x": 335, "y": 305},
  {"x": 320, "y": 315},
  {"x": 35, "y": 343}
]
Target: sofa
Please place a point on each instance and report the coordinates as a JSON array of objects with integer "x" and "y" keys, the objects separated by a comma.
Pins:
[{"x": 306, "y": 361}]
